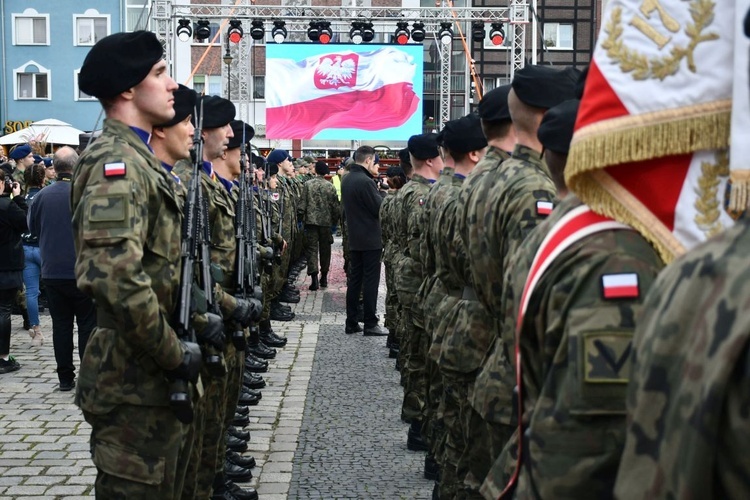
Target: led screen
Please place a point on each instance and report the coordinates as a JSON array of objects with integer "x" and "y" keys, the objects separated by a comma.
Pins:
[{"x": 342, "y": 91}]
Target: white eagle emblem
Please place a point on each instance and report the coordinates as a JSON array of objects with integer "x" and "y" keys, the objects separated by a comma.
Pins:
[{"x": 336, "y": 70}]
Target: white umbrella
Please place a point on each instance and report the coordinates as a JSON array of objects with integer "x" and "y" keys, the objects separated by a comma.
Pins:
[{"x": 51, "y": 131}]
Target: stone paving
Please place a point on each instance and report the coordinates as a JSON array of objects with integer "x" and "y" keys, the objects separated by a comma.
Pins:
[{"x": 327, "y": 427}]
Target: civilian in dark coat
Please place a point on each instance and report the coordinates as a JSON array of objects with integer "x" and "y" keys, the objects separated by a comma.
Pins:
[
  {"x": 50, "y": 220},
  {"x": 361, "y": 200}
]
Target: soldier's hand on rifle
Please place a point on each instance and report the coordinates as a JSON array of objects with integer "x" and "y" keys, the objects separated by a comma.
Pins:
[
  {"x": 213, "y": 333},
  {"x": 248, "y": 311},
  {"x": 283, "y": 247},
  {"x": 190, "y": 367}
]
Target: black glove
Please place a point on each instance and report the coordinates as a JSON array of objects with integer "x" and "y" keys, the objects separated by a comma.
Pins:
[
  {"x": 190, "y": 367},
  {"x": 213, "y": 333},
  {"x": 247, "y": 311}
]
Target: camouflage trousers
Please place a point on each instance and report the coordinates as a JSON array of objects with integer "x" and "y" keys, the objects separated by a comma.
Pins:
[
  {"x": 433, "y": 425},
  {"x": 319, "y": 239},
  {"x": 481, "y": 441},
  {"x": 189, "y": 491},
  {"x": 455, "y": 398},
  {"x": 502, "y": 470},
  {"x": 415, "y": 390},
  {"x": 139, "y": 452},
  {"x": 412, "y": 406},
  {"x": 266, "y": 285},
  {"x": 392, "y": 306}
]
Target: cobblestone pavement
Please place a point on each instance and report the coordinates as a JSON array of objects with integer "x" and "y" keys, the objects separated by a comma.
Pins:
[{"x": 327, "y": 427}]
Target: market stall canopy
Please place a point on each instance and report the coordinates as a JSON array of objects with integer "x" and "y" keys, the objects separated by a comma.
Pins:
[{"x": 51, "y": 131}]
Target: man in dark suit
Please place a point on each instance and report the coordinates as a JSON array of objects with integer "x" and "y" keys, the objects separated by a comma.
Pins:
[{"x": 361, "y": 201}]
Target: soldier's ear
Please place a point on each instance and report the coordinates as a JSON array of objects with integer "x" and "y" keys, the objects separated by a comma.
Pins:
[{"x": 159, "y": 132}]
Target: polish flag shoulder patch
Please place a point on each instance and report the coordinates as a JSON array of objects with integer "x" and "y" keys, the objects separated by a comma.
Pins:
[
  {"x": 114, "y": 169},
  {"x": 544, "y": 207},
  {"x": 275, "y": 196},
  {"x": 620, "y": 286}
]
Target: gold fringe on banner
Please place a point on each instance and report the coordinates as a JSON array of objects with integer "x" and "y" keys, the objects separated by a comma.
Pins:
[
  {"x": 739, "y": 181},
  {"x": 607, "y": 197},
  {"x": 653, "y": 135}
]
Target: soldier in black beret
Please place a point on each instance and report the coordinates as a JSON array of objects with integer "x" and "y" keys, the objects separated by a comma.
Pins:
[
  {"x": 496, "y": 122},
  {"x": 405, "y": 162},
  {"x": 423, "y": 147},
  {"x": 555, "y": 134},
  {"x": 544, "y": 86},
  {"x": 173, "y": 140},
  {"x": 464, "y": 137}
]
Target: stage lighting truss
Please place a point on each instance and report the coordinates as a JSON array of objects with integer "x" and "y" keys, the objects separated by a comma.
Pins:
[
  {"x": 417, "y": 31},
  {"x": 497, "y": 34},
  {"x": 184, "y": 30},
  {"x": 326, "y": 34},
  {"x": 203, "y": 29},
  {"x": 313, "y": 32},
  {"x": 355, "y": 34},
  {"x": 257, "y": 31},
  {"x": 278, "y": 33},
  {"x": 235, "y": 32},
  {"x": 446, "y": 33},
  {"x": 477, "y": 31},
  {"x": 401, "y": 35}
]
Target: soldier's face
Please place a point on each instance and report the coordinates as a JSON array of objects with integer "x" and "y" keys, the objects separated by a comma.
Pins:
[
  {"x": 272, "y": 183},
  {"x": 25, "y": 162},
  {"x": 179, "y": 139},
  {"x": 215, "y": 141},
  {"x": 233, "y": 162},
  {"x": 286, "y": 166},
  {"x": 153, "y": 96}
]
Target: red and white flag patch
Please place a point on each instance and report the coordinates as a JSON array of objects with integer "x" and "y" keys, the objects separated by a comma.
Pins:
[
  {"x": 620, "y": 286},
  {"x": 114, "y": 169},
  {"x": 544, "y": 207}
]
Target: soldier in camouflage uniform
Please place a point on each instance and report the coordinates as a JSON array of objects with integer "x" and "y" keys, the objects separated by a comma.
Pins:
[
  {"x": 24, "y": 158},
  {"x": 427, "y": 163},
  {"x": 574, "y": 340},
  {"x": 497, "y": 215},
  {"x": 127, "y": 229},
  {"x": 391, "y": 249},
  {"x": 320, "y": 209}
]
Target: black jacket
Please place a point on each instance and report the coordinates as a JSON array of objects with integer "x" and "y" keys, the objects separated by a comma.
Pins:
[
  {"x": 361, "y": 201},
  {"x": 12, "y": 225}
]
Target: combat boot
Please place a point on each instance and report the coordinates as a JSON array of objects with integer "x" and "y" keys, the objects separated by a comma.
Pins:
[
  {"x": 261, "y": 350},
  {"x": 253, "y": 380},
  {"x": 255, "y": 365},
  {"x": 279, "y": 313},
  {"x": 251, "y": 392},
  {"x": 314, "y": 285},
  {"x": 241, "y": 460},
  {"x": 248, "y": 400},
  {"x": 240, "y": 420},
  {"x": 236, "y": 473},
  {"x": 431, "y": 468},
  {"x": 235, "y": 444},
  {"x": 323, "y": 280},
  {"x": 288, "y": 297},
  {"x": 234, "y": 431},
  {"x": 241, "y": 493},
  {"x": 414, "y": 441},
  {"x": 269, "y": 338}
]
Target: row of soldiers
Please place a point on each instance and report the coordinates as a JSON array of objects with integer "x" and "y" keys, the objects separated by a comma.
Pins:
[
  {"x": 513, "y": 386},
  {"x": 189, "y": 246}
]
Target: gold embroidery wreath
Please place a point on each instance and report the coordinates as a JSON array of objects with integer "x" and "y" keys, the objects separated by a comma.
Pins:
[
  {"x": 708, "y": 205},
  {"x": 642, "y": 67}
]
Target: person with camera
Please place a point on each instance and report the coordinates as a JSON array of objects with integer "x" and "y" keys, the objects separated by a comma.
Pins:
[{"x": 12, "y": 226}]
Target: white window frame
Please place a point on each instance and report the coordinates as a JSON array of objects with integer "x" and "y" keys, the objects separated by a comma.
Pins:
[
  {"x": 22, "y": 70},
  {"x": 90, "y": 14},
  {"x": 144, "y": 4},
  {"x": 556, "y": 40},
  {"x": 77, "y": 91},
  {"x": 210, "y": 80},
  {"x": 30, "y": 14}
]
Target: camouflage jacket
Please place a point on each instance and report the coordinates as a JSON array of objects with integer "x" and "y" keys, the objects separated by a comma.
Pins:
[
  {"x": 127, "y": 226},
  {"x": 512, "y": 210},
  {"x": 688, "y": 396},
  {"x": 287, "y": 208},
  {"x": 390, "y": 247},
  {"x": 575, "y": 347},
  {"x": 320, "y": 205},
  {"x": 408, "y": 230}
]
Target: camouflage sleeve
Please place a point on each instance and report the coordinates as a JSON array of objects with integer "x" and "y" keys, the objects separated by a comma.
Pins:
[
  {"x": 333, "y": 205},
  {"x": 112, "y": 230}
]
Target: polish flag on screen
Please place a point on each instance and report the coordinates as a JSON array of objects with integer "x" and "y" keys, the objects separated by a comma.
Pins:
[
  {"x": 650, "y": 146},
  {"x": 368, "y": 91}
]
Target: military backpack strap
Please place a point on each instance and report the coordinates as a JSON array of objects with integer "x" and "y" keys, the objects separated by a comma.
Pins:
[{"x": 574, "y": 226}]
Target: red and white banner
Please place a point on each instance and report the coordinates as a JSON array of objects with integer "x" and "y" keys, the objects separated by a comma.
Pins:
[
  {"x": 653, "y": 129},
  {"x": 368, "y": 91}
]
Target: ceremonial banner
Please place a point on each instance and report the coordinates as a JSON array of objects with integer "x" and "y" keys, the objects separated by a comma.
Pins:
[
  {"x": 343, "y": 91},
  {"x": 653, "y": 129}
]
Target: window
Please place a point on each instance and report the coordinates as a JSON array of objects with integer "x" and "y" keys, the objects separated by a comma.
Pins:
[
  {"x": 259, "y": 87},
  {"x": 90, "y": 27},
  {"x": 214, "y": 84},
  {"x": 32, "y": 81},
  {"x": 80, "y": 95},
  {"x": 31, "y": 28},
  {"x": 137, "y": 15},
  {"x": 558, "y": 36}
]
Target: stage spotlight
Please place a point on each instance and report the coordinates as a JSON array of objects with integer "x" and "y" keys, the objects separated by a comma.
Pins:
[
  {"x": 313, "y": 32},
  {"x": 355, "y": 34},
  {"x": 325, "y": 32},
  {"x": 203, "y": 30},
  {"x": 497, "y": 34},
  {"x": 257, "y": 32},
  {"x": 417, "y": 31},
  {"x": 368, "y": 32},
  {"x": 401, "y": 35},
  {"x": 279, "y": 31},
  {"x": 235, "y": 31},
  {"x": 445, "y": 34},
  {"x": 477, "y": 31},
  {"x": 184, "y": 30}
]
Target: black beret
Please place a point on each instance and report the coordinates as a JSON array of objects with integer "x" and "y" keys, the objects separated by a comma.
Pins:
[
  {"x": 273, "y": 169},
  {"x": 423, "y": 146},
  {"x": 545, "y": 86},
  {"x": 403, "y": 155},
  {"x": 238, "y": 128},
  {"x": 494, "y": 105},
  {"x": 556, "y": 130},
  {"x": 217, "y": 111},
  {"x": 395, "y": 171},
  {"x": 258, "y": 161},
  {"x": 322, "y": 168},
  {"x": 184, "y": 105},
  {"x": 118, "y": 62},
  {"x": 464, "y": 134}
]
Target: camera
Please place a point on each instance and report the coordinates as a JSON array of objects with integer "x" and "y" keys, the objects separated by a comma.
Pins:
[{"x": 8, "y": 184}]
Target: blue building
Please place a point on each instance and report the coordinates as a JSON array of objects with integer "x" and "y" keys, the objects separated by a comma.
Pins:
[{"x": 44, "y": 44}]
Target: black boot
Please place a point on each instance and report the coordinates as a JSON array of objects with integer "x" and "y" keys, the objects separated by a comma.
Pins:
[
  {"x": 269, "y": 338},
  {"x": 239, "y": 434},
  {"x": 255, "y": 365},
  {"x": 253, "y": 380},
  {"x": 431, "y": 468},
  {"x": 323, "y": 280},
  {"x": 241, "y": 460},
  {"x": 414, "y": 441},
  {"x": 314, "y": 285}
]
